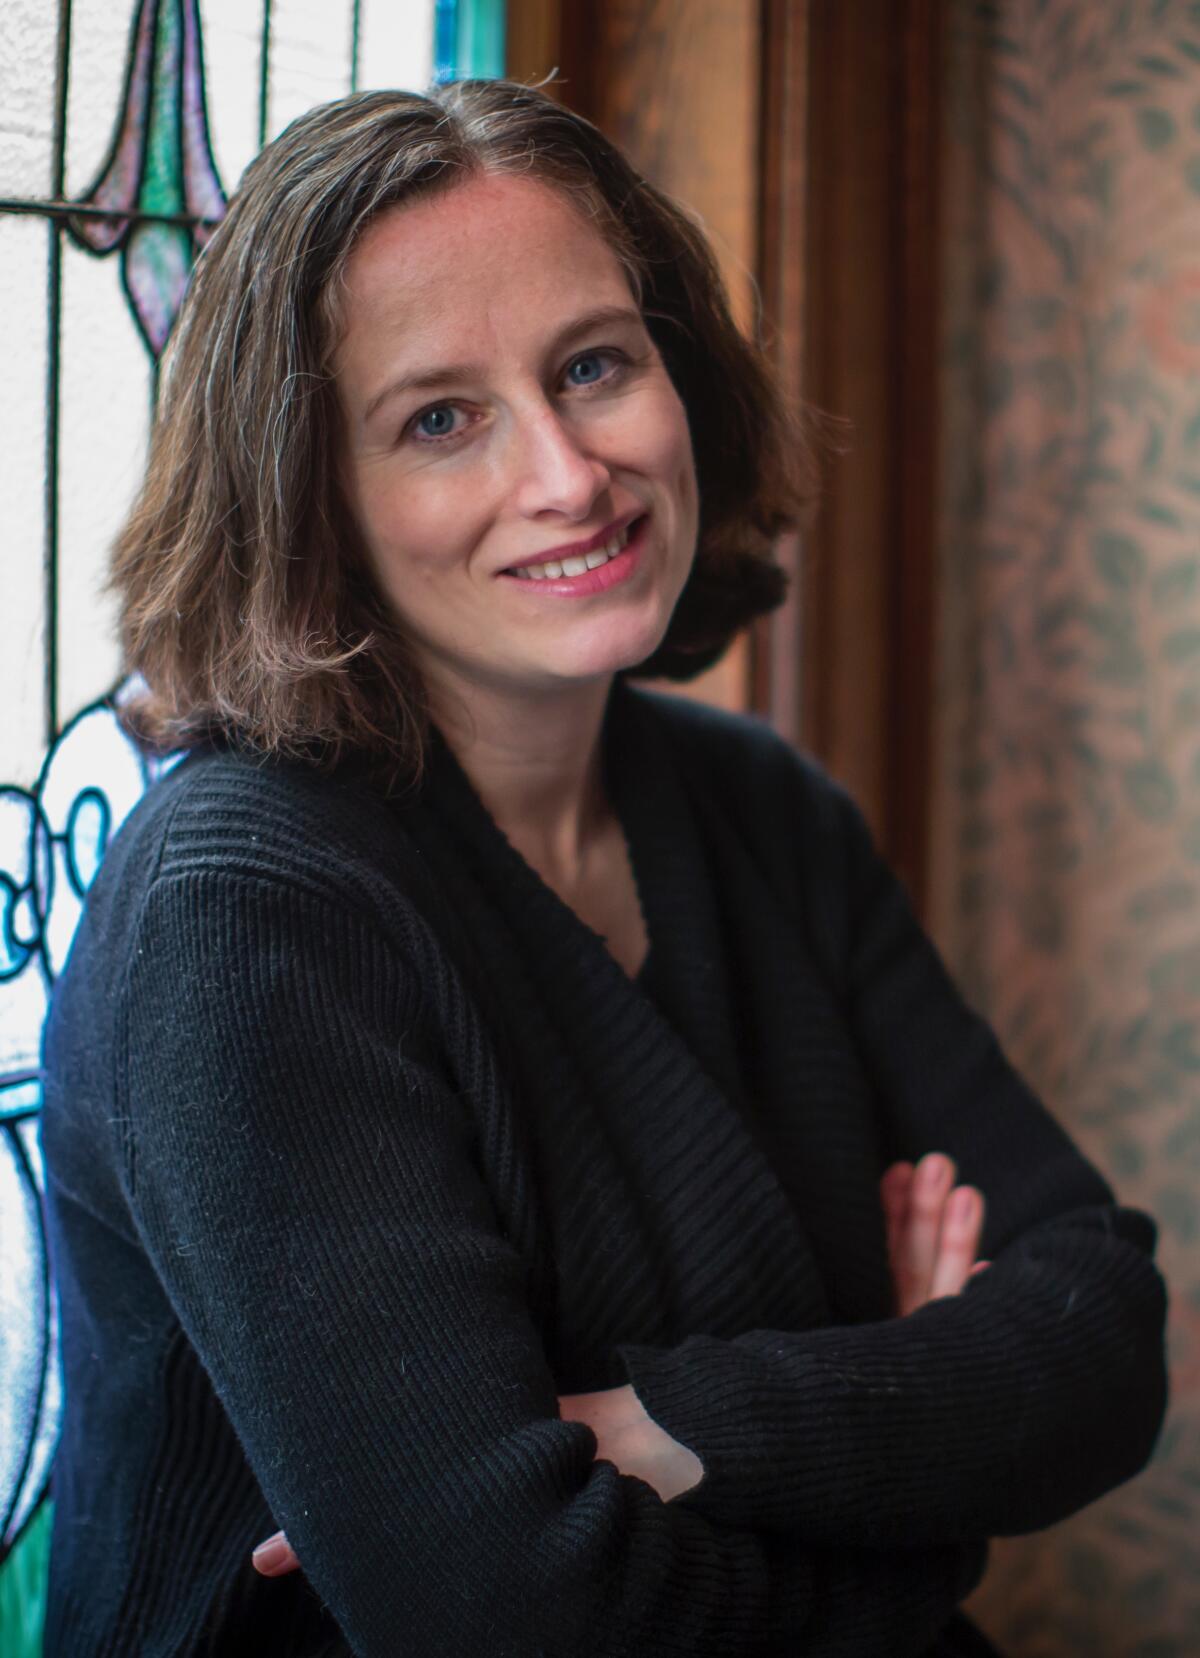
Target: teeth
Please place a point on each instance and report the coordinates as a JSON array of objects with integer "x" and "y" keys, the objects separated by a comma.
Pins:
[{"x": 577, "y": 564}]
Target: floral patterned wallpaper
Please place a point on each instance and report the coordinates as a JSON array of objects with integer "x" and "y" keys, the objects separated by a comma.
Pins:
[{"x": 1067, "y": 844}]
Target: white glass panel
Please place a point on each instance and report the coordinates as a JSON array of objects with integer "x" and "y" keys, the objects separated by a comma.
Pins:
[
  {"x": 24, "y": 895},
  {"x": 93, "y": 782},
  {"x": 46, "y": 1434},
  {"x": 104, "y": 424},
  {"x": 310, "y": 57},
  {"x": 100, "y": 35},
  {"x": 23, "y": 325},
  {"x": 395, "y": 44},
  {"x": 27, "y": 54},
  {"x": 23, "y": 1004},
  {"x": 22, "y": 1312},
  {"x": 232, "y": 31},
  {"x": 19, "y": 1100}
]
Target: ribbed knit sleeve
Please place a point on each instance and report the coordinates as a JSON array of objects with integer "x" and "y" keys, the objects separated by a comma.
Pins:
[
  {"x": 301, "y": 1164},
  {"x": 998, "y": 1411}
]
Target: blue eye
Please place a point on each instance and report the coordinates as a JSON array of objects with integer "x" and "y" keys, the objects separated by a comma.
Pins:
[
  {"x": 436, "y": 422},
  {"x": 588, "y": 370}
]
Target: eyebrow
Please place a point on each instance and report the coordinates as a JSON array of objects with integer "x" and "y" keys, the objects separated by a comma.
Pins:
[{"x": 452, "y": 374}]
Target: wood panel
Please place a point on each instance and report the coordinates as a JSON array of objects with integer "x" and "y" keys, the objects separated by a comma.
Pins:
[
  {"x": 867, "y": 604},
  {"x": 775, "y": 643},
  {"x": 917, "y": 441},
  {"x": 850, "y": 371},
  {"x": 532, "y": 40}
]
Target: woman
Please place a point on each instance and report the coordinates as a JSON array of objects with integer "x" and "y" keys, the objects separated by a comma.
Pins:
[{"x": 467, "y": 1098}]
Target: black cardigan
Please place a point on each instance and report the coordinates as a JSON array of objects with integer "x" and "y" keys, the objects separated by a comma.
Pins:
[{"x": 361, "y": 1147}]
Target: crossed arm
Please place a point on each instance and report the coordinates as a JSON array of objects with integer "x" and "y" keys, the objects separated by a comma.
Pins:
[{"x": 933, "y": 1229}]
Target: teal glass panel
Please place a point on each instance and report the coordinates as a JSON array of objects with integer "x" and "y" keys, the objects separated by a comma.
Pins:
[
  {"x": 468, "y": 40},
  {"x": 479, "y": 44}
]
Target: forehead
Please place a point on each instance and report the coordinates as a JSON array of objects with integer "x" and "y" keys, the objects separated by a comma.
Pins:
[{"x": 493, "y": 250}]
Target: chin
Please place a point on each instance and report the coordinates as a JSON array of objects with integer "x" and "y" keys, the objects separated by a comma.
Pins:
[
  {"x": 623, "y": 646},
  {"x": 596, "y": 664}
]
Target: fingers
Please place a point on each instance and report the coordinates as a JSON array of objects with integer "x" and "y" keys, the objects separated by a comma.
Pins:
[
  {"x": 275, "y": 1557},
  {"x": 918, "y": 1246},
  {"x": 958, "y": 1240},
  {"x": 933, "y": 1229}
]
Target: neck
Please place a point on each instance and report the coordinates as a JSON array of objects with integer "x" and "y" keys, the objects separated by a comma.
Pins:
[{"x": 536, "y": 763}]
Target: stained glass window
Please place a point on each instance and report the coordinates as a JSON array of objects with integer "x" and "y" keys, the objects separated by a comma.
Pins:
[{"x": 124, "y": 124}]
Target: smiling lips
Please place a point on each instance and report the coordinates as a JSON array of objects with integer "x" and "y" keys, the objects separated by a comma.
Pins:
[
  {"x": 592, "y": 572},
  {"x": 575, "y": 566}
]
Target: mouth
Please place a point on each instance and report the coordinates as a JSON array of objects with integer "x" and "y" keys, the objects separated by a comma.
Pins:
[
  {"x": 552, "y": 569},
  {"x": 592, "y": 572}
]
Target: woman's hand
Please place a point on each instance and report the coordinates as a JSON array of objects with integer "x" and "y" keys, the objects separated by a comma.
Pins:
[
  {"x": 933, "y": 1230},
  {"x": 625, "y": 1435}
]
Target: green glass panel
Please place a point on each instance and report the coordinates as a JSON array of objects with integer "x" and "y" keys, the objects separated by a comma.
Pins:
[
  {"x": 23, "y": 1589},
  {"x": 162, "y": 179}
]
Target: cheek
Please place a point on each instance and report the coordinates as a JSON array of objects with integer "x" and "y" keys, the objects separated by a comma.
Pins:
[
  {"x": 412, "y": 525},
  {"x": 687, "y": 485},
  {"x": 678, "y": 461},
  {"x": 683, "y": 469}
]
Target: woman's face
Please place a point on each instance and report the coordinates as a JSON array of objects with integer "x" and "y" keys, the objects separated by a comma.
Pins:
[{"x": 505, "y": 406}]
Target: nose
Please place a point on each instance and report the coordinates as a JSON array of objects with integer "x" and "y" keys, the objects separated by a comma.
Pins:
[{"x": 556, "y": 472}]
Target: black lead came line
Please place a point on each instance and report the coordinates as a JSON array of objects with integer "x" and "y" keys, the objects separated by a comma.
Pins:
[
  {"x": 264, "y": 74},
  {"x": 62, "y": 210},
  {"x": 53, "y": 376}
]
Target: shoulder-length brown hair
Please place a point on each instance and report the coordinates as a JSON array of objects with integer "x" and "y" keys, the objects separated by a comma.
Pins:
[{"x": 247, "y": 605}]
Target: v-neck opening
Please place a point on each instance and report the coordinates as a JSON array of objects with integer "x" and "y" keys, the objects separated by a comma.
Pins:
[
  {"x": 450, "y": 770},
  {"x": 688, "y": 982},
  {"x": 671, "y": 877}
]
